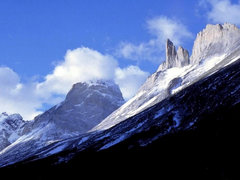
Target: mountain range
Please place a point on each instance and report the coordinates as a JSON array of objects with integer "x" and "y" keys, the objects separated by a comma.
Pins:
[{"x": 181, "y": 119}]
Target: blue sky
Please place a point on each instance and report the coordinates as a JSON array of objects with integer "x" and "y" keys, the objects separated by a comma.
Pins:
[
  {"x": 37, "y": 33},
  {"x": 40, "y": 39}
]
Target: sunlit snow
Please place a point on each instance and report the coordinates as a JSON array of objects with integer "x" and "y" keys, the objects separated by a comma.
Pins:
[{"x": 158, "y": 90}]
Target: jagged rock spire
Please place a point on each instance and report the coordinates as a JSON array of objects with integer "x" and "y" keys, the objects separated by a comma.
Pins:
[
  {"x": 174, "y": 58},
  {"x": 170, "y": 53}
]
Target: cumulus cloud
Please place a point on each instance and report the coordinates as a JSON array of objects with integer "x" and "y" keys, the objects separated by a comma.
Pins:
[
  {"x": 84, "y": 64},
  {"x": 16, "y": 97},
  {"x": 79, "y": 65},
  {"x": 8, "y": 80},
  {"x": 161, "y": 28},
  {"x": 221, "y": 11},
  {"x": 129, "y": 80}
]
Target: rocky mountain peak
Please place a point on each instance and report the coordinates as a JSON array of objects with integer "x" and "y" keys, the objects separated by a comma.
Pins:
[
  {"x": 170, "y": 52},
  {"x": 174, "y": 58},
  {"x": 86, "y": 105},
  {"x": 215, "y": 40}
]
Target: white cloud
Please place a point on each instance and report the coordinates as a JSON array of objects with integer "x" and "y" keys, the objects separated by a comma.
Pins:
[
  {"x": 130, "y": 79},
  {"x": 221, "y": 11},
  {"x": 150, "y": 51},
  {"x": 8, "y": 79},
  {"x": 79, "y": 65},
  {"x": 16, "y": 97},
  {"x": 162, "y": 28}
]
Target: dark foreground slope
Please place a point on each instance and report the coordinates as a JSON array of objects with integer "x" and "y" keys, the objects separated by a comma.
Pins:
[{"x": 191, "y": 135}]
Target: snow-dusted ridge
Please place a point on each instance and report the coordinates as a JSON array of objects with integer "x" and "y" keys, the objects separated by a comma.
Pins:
[
  {"x": 10, "y": 128},
  {"x": 148, "y": 96},
  {"x": 215, "y": 47},
  {"x": 45, "y": 135}
]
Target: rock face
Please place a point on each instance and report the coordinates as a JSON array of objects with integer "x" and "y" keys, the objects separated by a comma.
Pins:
[
  {"x": 215, "y": 40},
  {"x": 174, "y": 58},
  {"x": 182, "y": 57},
  {"x": 88, "y": 105},
  {"x": 10, "y": 128}
]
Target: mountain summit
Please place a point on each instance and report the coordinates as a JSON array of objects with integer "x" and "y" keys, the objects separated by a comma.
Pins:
[
  {"x": 215, "y": 40},
  {"x": 85, "y": 106}
]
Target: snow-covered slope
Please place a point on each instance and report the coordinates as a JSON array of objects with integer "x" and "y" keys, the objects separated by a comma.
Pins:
[
  {"x": 85, "y": 106},
  {"x": 203, "y": 115},
  {"x": 215, "y": 47},
  {"x": 42, "y": 138},
  {"x": 10, "y": 128}
]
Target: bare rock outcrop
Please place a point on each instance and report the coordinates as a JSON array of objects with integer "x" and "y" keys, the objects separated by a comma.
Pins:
[
  {"x": 174, "y": 58},
  {"x": 10, "y": 128}
]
